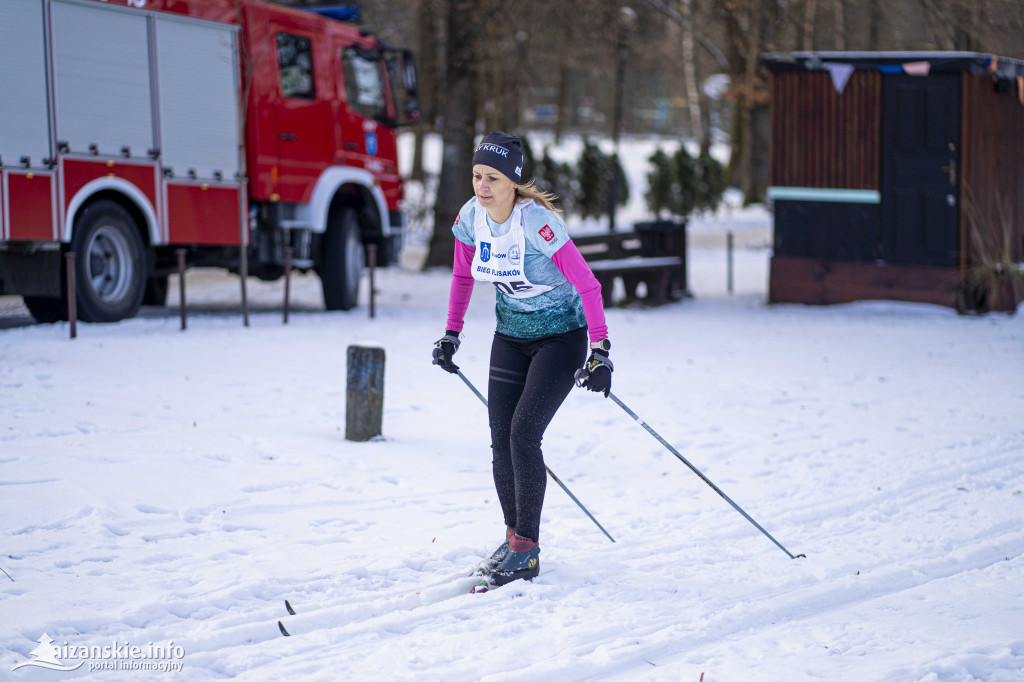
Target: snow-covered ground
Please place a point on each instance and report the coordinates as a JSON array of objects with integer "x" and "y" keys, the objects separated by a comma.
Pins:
[{"x": 174, "y": 488}]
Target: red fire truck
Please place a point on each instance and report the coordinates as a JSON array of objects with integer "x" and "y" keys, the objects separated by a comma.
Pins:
[{"x": 130, "y": 129}]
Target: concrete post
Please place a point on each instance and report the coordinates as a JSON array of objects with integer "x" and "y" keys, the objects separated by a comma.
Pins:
[{"x": 364, "y": 409}]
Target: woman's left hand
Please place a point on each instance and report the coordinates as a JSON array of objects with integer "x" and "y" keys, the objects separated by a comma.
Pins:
[{"x": 596, "y": 373}]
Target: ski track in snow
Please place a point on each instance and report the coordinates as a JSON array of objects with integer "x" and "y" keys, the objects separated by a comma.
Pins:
[{"x": 202, "y": 478}]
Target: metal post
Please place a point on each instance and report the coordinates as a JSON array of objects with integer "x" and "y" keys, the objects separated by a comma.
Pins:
[
  {"x": 371, "y": 256},
  {"x": 243, "y": 243},
  {"x": 288, "y": 251},
  {"x": 728, "y": 251},
  {"x": 181, "y": 286},
  {"x": 69, "y": 263}
]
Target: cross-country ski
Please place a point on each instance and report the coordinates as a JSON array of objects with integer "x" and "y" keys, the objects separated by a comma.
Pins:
[{"x": 344, "y": 614}]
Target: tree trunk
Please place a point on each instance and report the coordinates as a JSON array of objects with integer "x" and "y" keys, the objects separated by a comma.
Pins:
[
  {"x": 426, "y": 11},
  {"x": 515, "y": 92},
  {"x": 417, "y": 174},
  {"x": 749, "y": 27},
  {"x": 747, "y": 141},
  {"x": 875, "y": 20},
  {"x": 966, "y": 18},
  {"x": 733, "y": 19},
  {"x": 807, "y": 25},
  {"x": 690, "y": 70},
  {"x": 760, "y": 157},
  {"x": 561, "y": 115},
  {"x": 488, "y": 76},
  {"x": 458, "y": 127},
  {"x": 562, "y": 11},
  {"x": 839, "y": 19}
]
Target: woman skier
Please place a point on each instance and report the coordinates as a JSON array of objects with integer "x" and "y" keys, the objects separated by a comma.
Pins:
[{"x": 547, "y": 303}]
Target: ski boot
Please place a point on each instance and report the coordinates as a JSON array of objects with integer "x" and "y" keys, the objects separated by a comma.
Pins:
[
  {"x": 495, "y": 558},
  {"x": 521, "y": 563}
]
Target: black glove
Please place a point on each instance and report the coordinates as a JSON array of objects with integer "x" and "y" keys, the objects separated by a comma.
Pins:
[
  {"x": 444, "y": 349},
  {"x": 596, "y": 373}
]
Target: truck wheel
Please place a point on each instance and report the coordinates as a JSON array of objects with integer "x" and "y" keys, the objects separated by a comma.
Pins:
[
  {"x": 110, "y": 275},
  {"x": 46, "y": 310},
  {"x": 341, "y": 260}
]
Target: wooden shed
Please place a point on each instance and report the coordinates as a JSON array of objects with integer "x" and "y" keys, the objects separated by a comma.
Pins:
[{"x": 897, "y": 175}]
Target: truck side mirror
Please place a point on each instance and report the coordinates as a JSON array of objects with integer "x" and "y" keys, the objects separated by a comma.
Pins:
[{"x": 404, "y": 85}]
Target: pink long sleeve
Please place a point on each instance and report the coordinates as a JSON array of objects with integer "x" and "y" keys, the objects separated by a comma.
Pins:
[
  {"x": 570, "y": 262},
  {"x": 462, "y": 286}
]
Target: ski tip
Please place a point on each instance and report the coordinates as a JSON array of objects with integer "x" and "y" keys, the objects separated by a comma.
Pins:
[
  {"x": 288, "y": 607},
  {"x": 284, "y": 632}
]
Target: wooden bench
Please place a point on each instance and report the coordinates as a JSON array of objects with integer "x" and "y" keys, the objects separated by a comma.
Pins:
[{"x": 653, "y": 255}]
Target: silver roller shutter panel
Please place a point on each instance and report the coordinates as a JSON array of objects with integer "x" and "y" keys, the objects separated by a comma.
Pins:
[
  {"x": 102, "y": 78},
  {"x": 24, "y": 106},
  {"x": 196, "y": 76}
]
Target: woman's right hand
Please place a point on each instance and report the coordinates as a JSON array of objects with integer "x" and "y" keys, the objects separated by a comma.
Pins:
[{"x": 444, "y": 349}]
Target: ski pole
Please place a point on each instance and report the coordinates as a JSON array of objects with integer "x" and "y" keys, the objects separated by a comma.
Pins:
[
  {"x": 550, "y": 472},
  {"x": 704, "y": 478}
]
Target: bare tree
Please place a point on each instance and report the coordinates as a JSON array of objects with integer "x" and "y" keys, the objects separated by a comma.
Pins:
[
  {"x": 839, "y": 23},
  {"x": 807, "y": 30},
  {"x": 690, "y": 72},
  {"x": 458, "y": 125},
  {"x": 875, "y": 21},
  {"x": 749, "y": 25},
  {"x": 562, "y": 13},
  {"x": 429, "y": 39}
]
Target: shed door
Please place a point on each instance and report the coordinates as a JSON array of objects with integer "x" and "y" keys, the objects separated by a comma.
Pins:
[{"x": 920, "y": 163}]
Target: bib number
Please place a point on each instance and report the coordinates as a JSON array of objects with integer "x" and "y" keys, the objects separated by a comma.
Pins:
[{"x": 512, "y": 288}]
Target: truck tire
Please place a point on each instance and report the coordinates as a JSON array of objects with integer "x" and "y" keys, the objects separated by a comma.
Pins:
[
  {"x": 342, "y": 260},
  {"x": 46, "y": 310},
  {"x": 110, "y": 272}
]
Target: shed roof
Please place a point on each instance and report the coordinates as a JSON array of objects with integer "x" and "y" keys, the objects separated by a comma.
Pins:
[{"x": 939, "y": 62}]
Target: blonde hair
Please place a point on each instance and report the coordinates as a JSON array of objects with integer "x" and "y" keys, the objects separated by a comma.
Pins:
[{"x": 530, "y": 190}]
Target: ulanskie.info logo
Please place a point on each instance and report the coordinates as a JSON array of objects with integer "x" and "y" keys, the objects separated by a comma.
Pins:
[{"x": 113, "y": 656}]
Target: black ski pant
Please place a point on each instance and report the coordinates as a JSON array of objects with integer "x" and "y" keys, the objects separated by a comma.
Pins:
[{"x": 528, "y": 381}]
